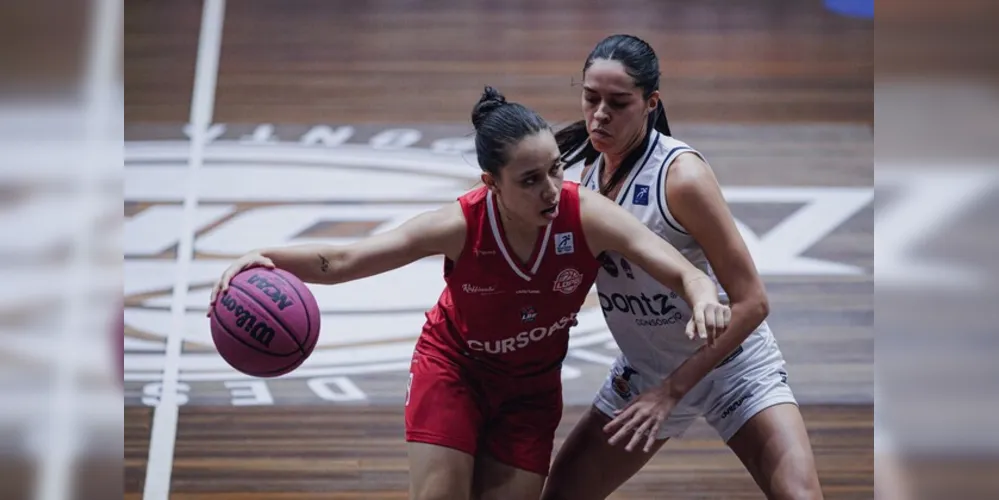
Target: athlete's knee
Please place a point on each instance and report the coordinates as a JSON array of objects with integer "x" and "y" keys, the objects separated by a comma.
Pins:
[
  {"x": 789, "y": 476},
  {"x": 796, "y": 491},
  {"x": 798, "y": 481}
]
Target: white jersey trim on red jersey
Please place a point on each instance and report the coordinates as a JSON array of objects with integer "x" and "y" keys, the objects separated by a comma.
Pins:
[
  {"x": 494, "y": 224},
  {"x": 544, "y": 248}
]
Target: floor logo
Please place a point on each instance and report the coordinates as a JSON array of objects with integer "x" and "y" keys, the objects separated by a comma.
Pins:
[{"x": 267, "y": 186}]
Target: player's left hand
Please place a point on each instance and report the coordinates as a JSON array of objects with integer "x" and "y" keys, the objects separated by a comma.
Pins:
[
  {"x": 641, "y": 419},
  {"x": 709, "y": 320}
]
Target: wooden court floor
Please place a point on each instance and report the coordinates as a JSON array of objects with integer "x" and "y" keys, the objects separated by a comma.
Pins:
[
  {"x": 777, "y": 62},
  {"x": 337, "y": 453},
  {"x": 392, "y": 61}
]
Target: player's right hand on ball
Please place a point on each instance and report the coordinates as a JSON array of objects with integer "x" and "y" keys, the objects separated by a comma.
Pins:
[{"x": 248, "y": 261}]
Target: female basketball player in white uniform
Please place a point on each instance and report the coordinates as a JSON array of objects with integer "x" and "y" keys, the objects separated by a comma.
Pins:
[{"x": 664, "y": 380}]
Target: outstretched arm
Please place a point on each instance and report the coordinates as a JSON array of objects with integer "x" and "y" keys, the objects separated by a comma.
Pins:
[
  {"x": 441, "y": 231},
  {"x": 607, "y": 226},
  {"x": 698, "y": 205}
]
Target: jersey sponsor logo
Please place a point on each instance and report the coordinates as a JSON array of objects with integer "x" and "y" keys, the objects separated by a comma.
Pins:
[
  {"x": 564, "y": 244},
  {"x": 528, "y": 314},
  {"x": 483, "y": 253},
  {"x": 641, "y": 196},
  {"x": 469, "y": 288},
  {"x": 526, "y": 291},
  {"x": 522, "y": 339},
  {"x": 568, "y": 281},
  {"x": 649, "y": 311}
]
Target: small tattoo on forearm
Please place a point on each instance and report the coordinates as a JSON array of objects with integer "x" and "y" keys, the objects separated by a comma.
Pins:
[{"x": 324, "y": 264}]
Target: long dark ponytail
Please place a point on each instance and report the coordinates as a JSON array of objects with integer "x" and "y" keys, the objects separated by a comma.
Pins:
[{"x": 641, "y": 63}]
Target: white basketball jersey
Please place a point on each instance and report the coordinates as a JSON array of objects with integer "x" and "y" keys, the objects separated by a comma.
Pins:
[{"x": 647, "y": 319}]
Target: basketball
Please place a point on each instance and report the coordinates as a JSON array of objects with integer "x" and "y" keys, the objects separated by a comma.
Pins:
[{"x": 266, "y": 324}]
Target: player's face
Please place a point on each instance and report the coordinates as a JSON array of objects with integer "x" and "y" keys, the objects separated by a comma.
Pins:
[
  {"x": 614, "y": 108},
  {"x": 529, "y": 185}
]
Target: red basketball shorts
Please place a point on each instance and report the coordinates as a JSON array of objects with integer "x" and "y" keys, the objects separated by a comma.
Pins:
[{"x": 512, "y": 420}]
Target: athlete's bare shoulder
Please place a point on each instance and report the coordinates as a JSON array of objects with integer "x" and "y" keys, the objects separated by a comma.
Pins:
[
  {"x": 587, "y": 198},
  {"x": 451, "y": 218},
  {"x": 604, "y": 222},
  {"x": 441, "y": 230},
  {"x": 688, "y": 175}
]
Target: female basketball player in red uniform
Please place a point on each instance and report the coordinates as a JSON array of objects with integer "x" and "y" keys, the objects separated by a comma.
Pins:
[
  {"x": 662, "y": 381},
  {"x": 485, "y": 387}
]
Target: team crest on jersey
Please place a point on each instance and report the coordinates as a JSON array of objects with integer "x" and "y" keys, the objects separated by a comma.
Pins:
[
  {"x": 528, "y": 314},
  {"x": 641, "y": 196},
  {"x": 568, "y": 281},
  {"x": 564, "y": 244}
]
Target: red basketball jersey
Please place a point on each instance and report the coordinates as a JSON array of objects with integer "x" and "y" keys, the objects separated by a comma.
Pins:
[{"x": 505, "y": 315}]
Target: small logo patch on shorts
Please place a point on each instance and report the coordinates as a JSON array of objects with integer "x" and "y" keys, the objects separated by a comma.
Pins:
[{"x": 620, "y": 382}]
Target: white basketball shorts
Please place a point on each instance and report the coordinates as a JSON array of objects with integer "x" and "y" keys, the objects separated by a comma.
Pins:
[{"x": 751, "y": 380}]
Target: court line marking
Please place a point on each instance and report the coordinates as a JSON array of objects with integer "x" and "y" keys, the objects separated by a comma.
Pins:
[{"x": 164, "y": 428}]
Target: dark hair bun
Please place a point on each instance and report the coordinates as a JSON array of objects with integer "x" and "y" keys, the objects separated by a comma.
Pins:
[{"x": 490, "y": 101}]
